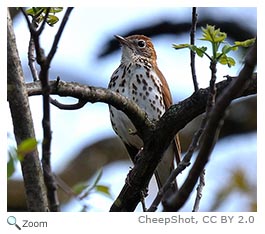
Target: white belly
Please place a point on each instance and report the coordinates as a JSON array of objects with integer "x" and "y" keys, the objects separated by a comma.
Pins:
[{"x": 139, "y": 86}]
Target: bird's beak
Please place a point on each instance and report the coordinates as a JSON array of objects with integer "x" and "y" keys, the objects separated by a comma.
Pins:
[{"x": 123, "y": 41}]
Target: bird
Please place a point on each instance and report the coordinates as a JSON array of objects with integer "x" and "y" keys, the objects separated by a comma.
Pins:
[{"x": 139, "y": 79}]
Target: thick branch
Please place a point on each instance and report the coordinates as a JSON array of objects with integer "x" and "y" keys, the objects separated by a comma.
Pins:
[
  {"x": 181, "y": 113},
  {"x": 44, "y": 63},
  {"x": 173, "y": 120},
  {"x": 46, "y": 123},
  {"x": 93, "y": 94},
  {"x": 23, "y": 125},
  {"x": 236, "y": 88}
]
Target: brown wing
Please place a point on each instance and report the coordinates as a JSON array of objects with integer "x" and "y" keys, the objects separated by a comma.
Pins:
[
  {"x": 166, "y": 92},
  {"x": 168, "y": 102},
  {"x": 166, "y": 165}
]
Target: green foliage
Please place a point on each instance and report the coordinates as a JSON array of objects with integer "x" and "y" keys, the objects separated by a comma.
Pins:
[
  {"x": 15, "y": 155},
  {"x": 12, "y": 160},
  {"x": 237, "y": 182},
  {"x": 83, "y": 189},
  {"x": 25, "y": 147},
  {"x": 213, "y": 35},
  {"x": 216, "y": 39},
  {"x": 38, "y": 14},
  {"x": 200, "y": 51}
]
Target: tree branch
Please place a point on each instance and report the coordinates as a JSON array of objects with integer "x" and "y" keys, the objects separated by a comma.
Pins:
[
  {"x": 93, "y": 94},
  {"x": 197, "y": 101},
  {"x": 44, "y": 63},
  {"x": 58, "y": 35},
  {"x": 171, "y": 122},
  {"x": 235, "y": 88},
  {"x": 62, "y": 106},
  {"x": 192, "y": 53},
  {"x": 23, "y": 125},
  {"x": 199, "y": 191},
  {"x": 138, "y": 178}
]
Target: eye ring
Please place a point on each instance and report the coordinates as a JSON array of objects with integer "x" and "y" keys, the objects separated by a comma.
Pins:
[{"x": 141, "y": 43}]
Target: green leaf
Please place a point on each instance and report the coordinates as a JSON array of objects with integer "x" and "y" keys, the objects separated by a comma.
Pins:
[
  {"x": 38, "y": 13},
  {"x": 227, "y": 48},
  {"x": 180, "y": 46},
  {"x": 52, "y": 19},
  {"x": 103, "y": 189},
  {"x": 56, "y": 9},
  {"x": 231, "y": 62},
  {"x": 11, "y": 164},
  {"x": 213, "y": 35},
  {"x": 80, "y": 187},
  {"x": 225, "y": 60},
  {"x": 216, "y": 38},
  {"x": 25, "y": 147},
  {"x": 10, "y": 168},
  {"x": 245, "y": 43},
  {"x": 35, "y": 11},
  {"x": 200, "y": 51}
]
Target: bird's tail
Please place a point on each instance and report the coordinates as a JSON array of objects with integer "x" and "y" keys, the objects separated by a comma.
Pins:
[{"x": 166, "y": 166}]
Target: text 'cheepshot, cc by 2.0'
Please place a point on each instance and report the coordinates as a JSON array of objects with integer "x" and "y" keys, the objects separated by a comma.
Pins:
[{"x": 205, "y": 219}]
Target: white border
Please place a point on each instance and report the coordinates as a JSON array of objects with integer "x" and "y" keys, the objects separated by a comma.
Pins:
[{"x": 120, "y": 223}]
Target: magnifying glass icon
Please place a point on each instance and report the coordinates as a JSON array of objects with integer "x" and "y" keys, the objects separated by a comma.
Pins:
[{"x": 11, "y": 220}]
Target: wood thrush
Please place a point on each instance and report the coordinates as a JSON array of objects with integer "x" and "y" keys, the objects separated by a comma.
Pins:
[{"x": 139, "y": 79}]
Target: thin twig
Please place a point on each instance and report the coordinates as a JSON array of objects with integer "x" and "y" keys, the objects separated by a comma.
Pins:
[
  {"x": 44, "y": 63},
  {"x": 199, "y": 191},
  {"x": 46, "y": 142},
  {"x": 23, "y": 125},
  {"x": 31, "y": 60},
  {"x": 40, "y": 30},
  {"x": 75, "y": 106},
  {"x": 173, "y": 120},
  {"x": 35, "y": 36},
  {"x": 212, "y": 128},
  {"x": 31, "y": 55},
  {"x": 26, "y": 17},
  {"x": 197, "y": 135},
  {"x": 212, "y": 93},
  {"x": 205, "y": 119},
  {"x": 59, "y": 34},
  {"x": 185, "y": 162},
  {"x": 192, "y": 53}
]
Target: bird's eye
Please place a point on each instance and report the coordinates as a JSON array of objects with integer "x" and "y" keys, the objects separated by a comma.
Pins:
[{"x": 141, "y": 43}]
